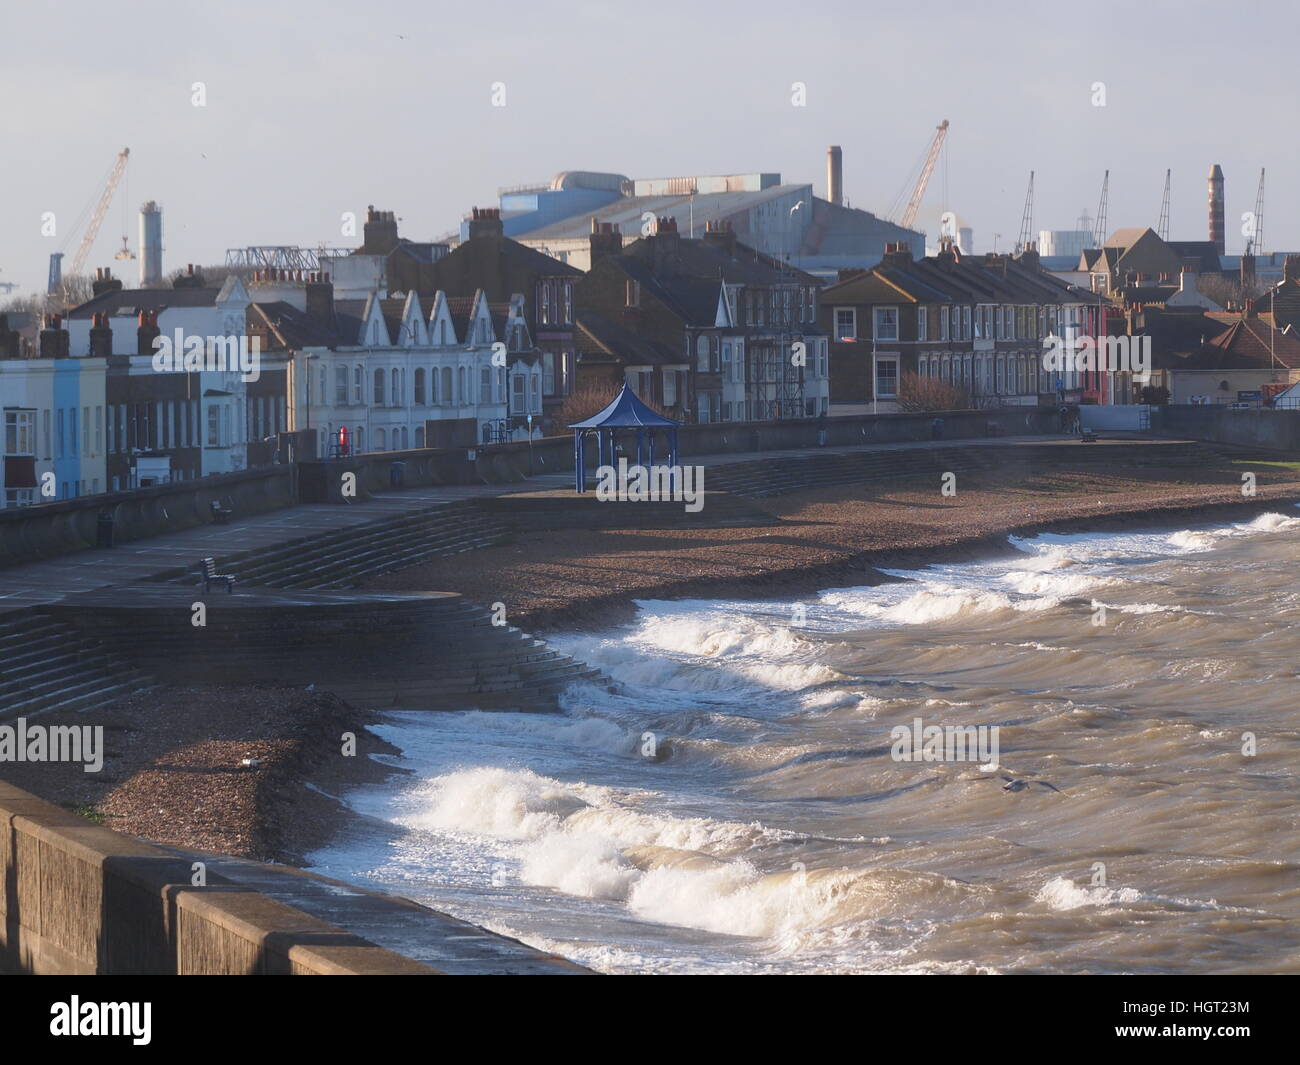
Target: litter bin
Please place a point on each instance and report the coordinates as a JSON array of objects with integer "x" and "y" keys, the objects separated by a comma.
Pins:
[
  {"x": 396, "y": 474},
  {"x": 104, "y": 529}
]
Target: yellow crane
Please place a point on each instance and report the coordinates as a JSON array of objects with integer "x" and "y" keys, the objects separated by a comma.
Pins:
[
  {"x": 92, "y": 227},
  {"x": 908, "y": 216}
]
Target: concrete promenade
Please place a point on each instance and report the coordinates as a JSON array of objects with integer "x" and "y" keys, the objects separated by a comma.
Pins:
[{"x": 53, "y": 579}]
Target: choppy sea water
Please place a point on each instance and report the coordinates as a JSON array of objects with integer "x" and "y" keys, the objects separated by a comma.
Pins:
[{"x": 774, "y": 831}]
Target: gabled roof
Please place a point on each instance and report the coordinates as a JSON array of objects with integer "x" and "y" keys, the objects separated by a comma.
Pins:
[
  {"x": 1250, "y": 342},
  {"x": 134, "y": 300},
  {"x": 598, "y": 335}
]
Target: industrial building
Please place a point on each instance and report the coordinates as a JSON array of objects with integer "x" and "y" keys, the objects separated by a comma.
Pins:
[{"x": 786, "y": 221}]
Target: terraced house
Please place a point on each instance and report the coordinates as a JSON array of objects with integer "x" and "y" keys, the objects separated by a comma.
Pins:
[
  {"x": 707, "y": 328},
  {"x": 978, "y": 324},
  {"x": 394, "y": 373}
]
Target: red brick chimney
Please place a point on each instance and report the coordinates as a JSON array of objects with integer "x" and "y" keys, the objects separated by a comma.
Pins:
[
  {"x": 486, "y": 222},
  {"x": 101, "y": 335},
  {"x": 897, "y": 253},
  {"x": 104, "y": 282},
  {"x": 665, "y": 246},
  {"x": 8, "y": 339},
  {"x": 319, "y": 292},
  {"x": 722, "y": 236},
  {"x": 54, "y": 343},
  {"x": 146, "y": 333},
  {"x": 606, "y": 240},
  {"x": 379, "y": 231}
]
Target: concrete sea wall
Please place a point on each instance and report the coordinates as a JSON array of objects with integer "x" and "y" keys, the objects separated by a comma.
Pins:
[{"x": 78, "y": 899}]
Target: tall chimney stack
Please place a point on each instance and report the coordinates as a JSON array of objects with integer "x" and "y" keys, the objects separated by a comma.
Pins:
[
  {"x": 1216, "y": 208},
  {"x": 835, "y": 175}
]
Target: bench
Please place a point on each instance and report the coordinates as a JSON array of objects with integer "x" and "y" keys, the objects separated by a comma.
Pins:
[
  {"x": 1088, "y": 436},
  {"x": 220, "y": 514},
  {"x": 210, "y": 574}
]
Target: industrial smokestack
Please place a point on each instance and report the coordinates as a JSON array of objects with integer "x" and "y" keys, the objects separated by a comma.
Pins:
[
  {"x": 1216, "y": 208},
  {"x": 835, "y": 175},
  {"x": 150, "y": 244}
]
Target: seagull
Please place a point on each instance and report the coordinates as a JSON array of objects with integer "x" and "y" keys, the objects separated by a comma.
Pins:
[{"x": 1012, "y": 784}]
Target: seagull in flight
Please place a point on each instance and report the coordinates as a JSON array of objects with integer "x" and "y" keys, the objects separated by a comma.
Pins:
[{"x": 1012, "y": 784}]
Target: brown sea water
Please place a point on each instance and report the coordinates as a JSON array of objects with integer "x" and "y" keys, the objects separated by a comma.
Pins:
[{"x": 737, "y": 805}]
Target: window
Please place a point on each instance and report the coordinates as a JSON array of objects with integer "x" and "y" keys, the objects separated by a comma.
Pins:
[
  {"x": 846, "y": 323},
  {"x": 548, "y": 373},
  {"x": 20, "y": 432},
  {"x": 632, "y": 293},
  {"x": 517, "y": 401},
  {"x": 446, "y": 385},
  {"x": 485, "y": 385},
  {"x": 358, "y": 386},
  {"x": 922, "y": 367},
  {"x": 396, "y": 399},
  {"x": 214, "y": 426},
  {"x": 886, "y": 323},
  {"x": 886, "y": 378},
  {"x": 702, "y": 354},
  {"x": 943, "y": 323},
  {"x": 1001, "y": 371},
  {"x": 922, "y": 323},
  {"x": 460, "y": 386},
  {"x": 381, "y": 439},
  {"x": 379, "y": 390},
  {"x": 340, "y": 386},
  {"x": 965, "y": 323},
  {"x": 419, "y": 385}
]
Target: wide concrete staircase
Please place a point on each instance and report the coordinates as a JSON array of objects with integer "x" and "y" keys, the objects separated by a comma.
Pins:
[
  {"x": 380, "y": 650},
  {"x": 46, "y": 664},
  {"x": 341, "y": 559}
]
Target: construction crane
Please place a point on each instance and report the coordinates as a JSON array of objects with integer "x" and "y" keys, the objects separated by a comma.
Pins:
[
  {"x": 1162, "y": 227},
  {"x": 1099, "y": 236},
  {"x": 92, "y": 227},
  {"x": 908, "y": 217},
  {"x": 1027, "y": 219},
  {"x": 1255, "y": 246}
]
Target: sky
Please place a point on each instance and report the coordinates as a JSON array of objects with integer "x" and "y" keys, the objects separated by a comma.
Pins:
[{"x": 315, "y": 109}]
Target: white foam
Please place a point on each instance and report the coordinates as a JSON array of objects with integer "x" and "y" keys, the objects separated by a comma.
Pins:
[{"x": 1062, "y": 894}]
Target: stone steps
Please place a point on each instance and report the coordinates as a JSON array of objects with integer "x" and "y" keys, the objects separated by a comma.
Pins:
[{"x": 48, "y": 665}]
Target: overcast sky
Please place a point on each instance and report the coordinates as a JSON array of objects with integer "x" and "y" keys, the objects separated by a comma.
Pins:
[{"x": 318, "y": 108}]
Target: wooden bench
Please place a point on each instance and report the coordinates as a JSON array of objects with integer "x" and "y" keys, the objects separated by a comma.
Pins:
[
  {"x": 210, "y": 574},
  {"x": 220, "y": 514}
]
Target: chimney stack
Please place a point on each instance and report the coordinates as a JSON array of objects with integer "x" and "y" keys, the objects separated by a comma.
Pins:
[
  {"x": 606, "y": 239},
  {"x": 104, "y": 282},
  {"x": 101, "y": 336},
  {"x": 720, "y": 235},
  {"x": 320, "y": 298},
  {"x": 379, "y": 232},
  {"x": 1216, "y": 208},
  {"x": 54, "y": 342},
  {"x": 665, "y": 246},
  {"x": 1291, "y": 268},
  {"x": 835, "y": 175},
  {"x": 146, "y": 333},
  {"x": 486, "y": 222},
  {"x": 8, "y": 339}
]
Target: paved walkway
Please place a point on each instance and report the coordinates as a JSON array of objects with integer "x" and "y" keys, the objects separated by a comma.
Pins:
[{"x": 52, "y": 579}]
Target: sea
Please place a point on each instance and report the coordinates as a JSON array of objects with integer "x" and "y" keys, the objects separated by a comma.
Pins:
[{"x": 744, "y": 801}]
